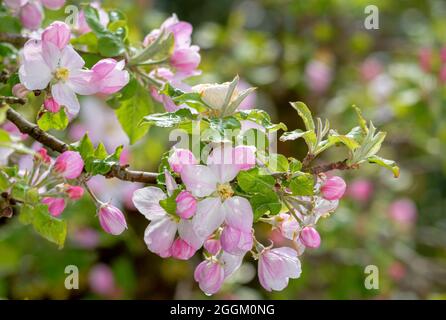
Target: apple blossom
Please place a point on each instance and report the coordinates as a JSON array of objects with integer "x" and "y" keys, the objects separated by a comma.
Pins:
[
  {"x": 185, "y": 57},
  {"x": 310, "y": 237},
  {"x": 58, "y": 33},
  {"x": 69, "y": 164},
  {"x": 210, "y": 276},
  {"x": 224, "y": 97},
  {"x": 276, "y": 266},
  {"x": 112, "y": 220},
  {"x": 55, "y": 205},
  {"x": 74, "y": 192},
  {"x": 186, "y": 204},
  {"x": 44, "y": 63},
  {"x": 31, "y": 15},
  {"x": 213, "y": 246},
  {"x": 110, "y": 76},
  {"x": 213, "y": 182},
  {"x": 51, "y": 105},
  {"x": 181, "y": 158},
  {"x": 235, "y": 241},
  {"x": 161, "y": 232},
  {"x": 333, "y": 188},
  {"x": 42, "y": 154}
]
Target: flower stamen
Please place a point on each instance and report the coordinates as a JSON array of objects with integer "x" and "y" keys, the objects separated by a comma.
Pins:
[
  {"x": 225, "y": 191},
  {"x": 62, "y": 74}
]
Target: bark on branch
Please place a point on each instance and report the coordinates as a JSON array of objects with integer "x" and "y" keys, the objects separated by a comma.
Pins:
[{"x": 53, "y": 143}]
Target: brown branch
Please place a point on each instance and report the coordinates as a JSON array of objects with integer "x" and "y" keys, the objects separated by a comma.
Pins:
[
  {"x": 340, "y": 165},
  {"x": 31, "y": 129},
  {"x": 14, "y": 39}
]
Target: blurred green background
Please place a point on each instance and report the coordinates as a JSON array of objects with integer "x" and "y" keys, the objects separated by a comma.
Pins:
[{"x": 318, "y": 52}]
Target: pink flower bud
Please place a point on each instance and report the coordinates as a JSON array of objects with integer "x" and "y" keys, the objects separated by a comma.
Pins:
[
  {"x": 310, "y": 237},
  {"x": 182, "y": 250},
  {"x": 180, "y": 158},
  {"x": 213, "y": 246},
  {"x": 186, "y": 204},
  {"x": 277, "y": 266},
  {"x": 74, "y": 192},
  {"x": 42, "y": 155},
  {"x": 31, "y": 15},
  {"x": 245, "y": 157},
  {"x": 112, "y": 220},
  {"x": 235, "y": 241},
  {"x": 55, "y": 205},
  {"x": 109, "y": 75},
  {"x": 57, "y": 33},
  {"x": 333, "y": 188},
  {"x": 69, "y": 164},
  {"x": 210, "y": 276},
  {"x": 53, "y": 4},
  {"x": 20, "y": 91},
  {"x": 186, "y": 59},
  {"x": 51, "y": 105}
]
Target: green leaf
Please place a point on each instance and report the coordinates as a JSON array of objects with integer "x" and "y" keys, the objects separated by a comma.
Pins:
[
  {"x": 53, "y": 120},
  {"x": 309, "y": 137},
  {"x": 47, "y": 226},
  {"x": 100, "y": 152},
  {"x": 157, "y": 50},
  {"x": 86, "y": 147},
  {"x": 21, "y": 191},
  {"x": 251, "y": 181},
  {"x": 110, "y": 45},
  {"x": 100, "y": 162},
  {"x": 347, "y": 140},
  {"x": 169, "y": 204},
  {"x": 4, "y": 136},
  {"x": 132, "y": 111},
  {"x": 295, "y": 165},
  {"x": 302, "y": 185},
  {"x": 361, "y": 120},
  {"x": 93, "y": 20},
  {"x": 4, "y": 181},
  {"x": 278, "y": 163},
  {"x": 260, "y": 117},
  {"x": 169, "y": 119},
  {"x": 7, "y": 50},
  {"x": 305, "y": 114},
  {"x": 388, "y": 164},
  {"x": 88, "y": 39},
  {"x": 9, "y": 23},
  {"x": 265, "y": 203}
]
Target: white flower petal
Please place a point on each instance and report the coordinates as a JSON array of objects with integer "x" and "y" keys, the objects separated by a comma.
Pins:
[
  {"x": 238, "y": 213},
  {"x": 146, "y": 200},
  {"x": 65, "y": 96},
  {"x": 199, "y": 180},
  {"x": 209, "y": 217}
]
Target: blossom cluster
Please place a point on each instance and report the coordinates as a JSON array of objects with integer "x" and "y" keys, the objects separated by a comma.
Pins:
[
  {"x": 51, "y": 62},
  {"x": 208, "y": 203},
  {"x": 206, "y": 211}
]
